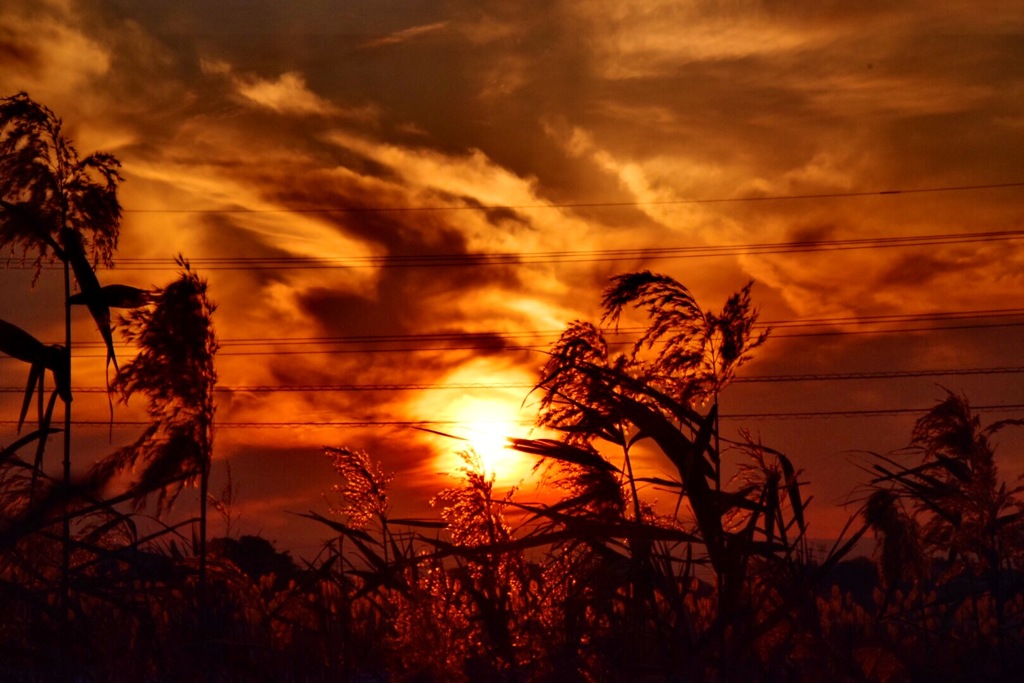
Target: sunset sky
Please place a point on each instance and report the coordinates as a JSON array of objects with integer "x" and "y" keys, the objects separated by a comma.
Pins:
[{"x": 399, "y": 205}]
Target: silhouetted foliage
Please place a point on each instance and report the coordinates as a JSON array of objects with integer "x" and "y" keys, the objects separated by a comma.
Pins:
[
  {"x": 601, "y": 583},
  {"x": 256, "y": 557},
  {"x": 615, "y": 592},
  {"x": 54, "y": 203},
  {"x": 700, "y": 351},
  {"x": 951, "y": 504},
  {"x": 174, "y": 370},
  {"x": 46, "y": 188},
  {"x": 363, "y": 490}
]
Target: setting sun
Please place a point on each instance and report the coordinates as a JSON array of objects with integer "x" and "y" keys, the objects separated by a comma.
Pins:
[
  {"x": 483, "y": 407},
  {"x": 486, "y": 425},
  {"x": 486, "y": 429},
  {"x": 498, "y": 341}
]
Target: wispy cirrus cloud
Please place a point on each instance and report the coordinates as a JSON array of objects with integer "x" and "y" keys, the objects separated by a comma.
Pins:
[
  {"x": 287, "y": 94},
  {"x": 277, "y": 133},
  {"x": 47, "y": 51},
  {"x": 405, "y": 35}
]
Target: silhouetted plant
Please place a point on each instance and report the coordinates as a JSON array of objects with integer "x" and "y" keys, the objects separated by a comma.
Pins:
[
  {"x": 952, "y": 502},
  {"x": 618, "y": 595},
  {"x": 951, "y": 536},
  {"x": 602, "y": 584},
  {"x": 54, "y": 203},
  {"x": 901, "y": 560},
  {"x": 363, "y": 489},
  {"x": 47, "y": 188},
  {"x": 700, "y": 350},
  {"x": 174, "y": 370},
  {"x": 224, "y": 503},
  {"x": 492, "y": 571},
  {"x": 77, "y": 579},
  {"x": 665, "y": 391},
  {"x": 361, "y": 581}
]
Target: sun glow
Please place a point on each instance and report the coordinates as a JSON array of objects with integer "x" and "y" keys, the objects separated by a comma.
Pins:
[
  {"x": 485, "y": 426},
  {"x": 479, "y": 407}
]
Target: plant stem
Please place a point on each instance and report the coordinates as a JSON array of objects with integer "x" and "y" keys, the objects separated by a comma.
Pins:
[
  {"x": 204, "y": 621},
  {"x": 65, "y": 567}
]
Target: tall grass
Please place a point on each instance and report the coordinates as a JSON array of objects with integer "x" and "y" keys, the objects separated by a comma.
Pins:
[{"x": 715, "y": 581}]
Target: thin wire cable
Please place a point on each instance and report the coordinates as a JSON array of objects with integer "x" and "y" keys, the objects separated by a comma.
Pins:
[
  {"x": 485, "y": 386},
  {"x": 499, "y": 347},
  {"x": 552, "y": 257},
  {"x": 474, "y": 386},
  {"x": 342, "y": 424},
  {"x": 594, "y": 256},
  {"x": 368, "y": 424},
  {"x": 317, "y": 388},
  {"x": 879, "y": 412},
  {"x": 591, "y": 205},
  {"x": 497, "y": 340},
  {"x": 879, "y": 375}
]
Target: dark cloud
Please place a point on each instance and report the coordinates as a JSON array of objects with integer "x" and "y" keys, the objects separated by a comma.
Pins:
[
  {"x": 421, "y": 125},
  {"x": 17, "y": 55}
]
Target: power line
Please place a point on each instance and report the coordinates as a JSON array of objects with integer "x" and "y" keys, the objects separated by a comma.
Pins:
[
  {"x": 588, "y": 205},
  {"x": 900, "y": 330},
  {"x": 896, "y": 317},
  {"x": 500, "y": 346},
  {"x": 880, "y": 412},
  {"x": 553, "y": 257},
  {"x": 494, "y": 340},
  {"x": 621, "y": 331},
  {"x": 471, "y": 386},
  {"x": 317, "y": 388},
  {"x": 587, "y": 256},
  {"x": 882, "y": 374},
  {"x": 367, "y": 424},
  {"x": 340, "y": 424}
]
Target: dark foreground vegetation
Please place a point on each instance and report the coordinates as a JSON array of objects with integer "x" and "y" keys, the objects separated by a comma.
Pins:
[{"x": 718, "y": 581}]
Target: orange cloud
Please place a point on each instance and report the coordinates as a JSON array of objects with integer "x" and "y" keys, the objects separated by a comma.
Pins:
[
  {"x": 534, "y": 131},
  {"x": 405, "y": 35}
]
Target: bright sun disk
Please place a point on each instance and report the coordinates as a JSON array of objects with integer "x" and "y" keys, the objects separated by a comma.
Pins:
[{"x": 487, "y": 425}]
